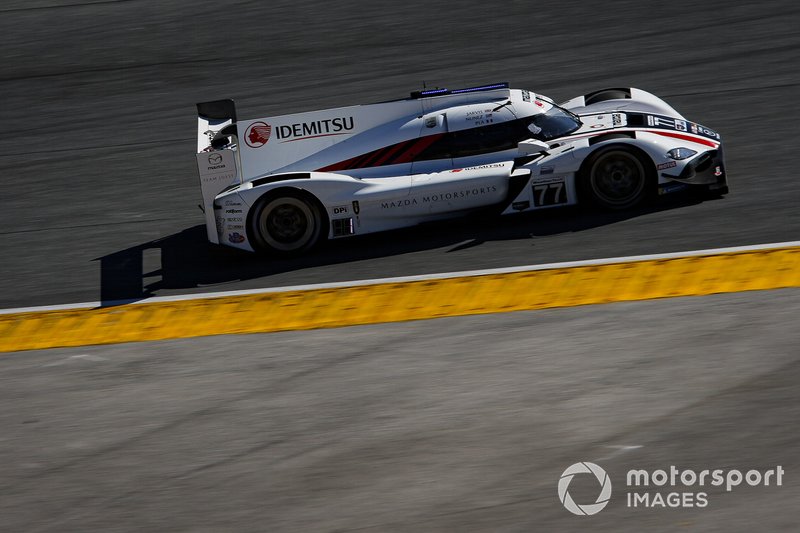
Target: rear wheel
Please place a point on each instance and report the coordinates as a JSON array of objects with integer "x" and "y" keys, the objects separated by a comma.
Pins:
[
  {"x": 616, "y": 178},
  {"x": 287, "y": 223}
]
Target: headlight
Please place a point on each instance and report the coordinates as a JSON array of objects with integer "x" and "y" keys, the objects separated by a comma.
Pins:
[{"x": 680, "y": 153}]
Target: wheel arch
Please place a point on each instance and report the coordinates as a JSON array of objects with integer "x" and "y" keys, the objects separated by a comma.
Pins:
[
  {"x": 603, "y": 95},
  {"x": 289, "y": 190}
]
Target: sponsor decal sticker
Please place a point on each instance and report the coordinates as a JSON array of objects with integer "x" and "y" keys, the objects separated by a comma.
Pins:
[
  {"x": 232, "y": 211},
  {"x": 547, "y": 170},
  {"x": 440, "y": 197},
  {"x": 702, "y": 130},
  {"x": 477, "y": 191},
  {"x": 526, "y": 96},
  {"x": 479, "y": 167},
  {"x": 488, "y": 165},
  {"x": 340, "y": 210},
  {"x": 662, "y": 122},
  {"x": 680, "y": 125},
  {"x": 216, "y": 166},
  {"x": 356, "y": 207},
  {"x": 668, "y": 164},
  {"x": 236, "y": 238},
  {"x": 257, "y": 134},
  {"x": 328, "y": 127},
  {"x": 399, "y": 203}
]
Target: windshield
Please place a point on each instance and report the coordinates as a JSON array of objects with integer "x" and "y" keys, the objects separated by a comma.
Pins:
[{"x": 554, "y": 123}]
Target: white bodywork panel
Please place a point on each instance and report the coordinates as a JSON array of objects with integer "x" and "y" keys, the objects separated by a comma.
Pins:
[{"x": 378, "y": 204}]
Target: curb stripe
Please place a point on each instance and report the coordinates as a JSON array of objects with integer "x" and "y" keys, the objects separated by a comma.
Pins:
[
  {"x": 399, "y": 279},
  {"x": 538, "y": 287}
]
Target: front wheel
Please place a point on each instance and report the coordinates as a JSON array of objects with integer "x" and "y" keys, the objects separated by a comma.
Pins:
[
  {"x": 286, "y": 223},
  {"x": 616, "y": 178}
]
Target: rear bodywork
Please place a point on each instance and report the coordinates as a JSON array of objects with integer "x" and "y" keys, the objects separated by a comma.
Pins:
[{"x": 436, "y": 155}]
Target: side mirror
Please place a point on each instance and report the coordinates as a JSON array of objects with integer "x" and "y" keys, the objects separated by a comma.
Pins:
[{"x": 532, "y": 147}]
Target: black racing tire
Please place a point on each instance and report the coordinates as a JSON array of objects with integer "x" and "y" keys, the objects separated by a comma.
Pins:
[
  {"x": 616, "y": 177},
  {"x": 608, "y": 94},
  {"x": 287, "y": 222}
]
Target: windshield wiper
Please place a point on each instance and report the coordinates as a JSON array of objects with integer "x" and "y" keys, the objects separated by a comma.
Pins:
[{"x": 564, "y": 109}]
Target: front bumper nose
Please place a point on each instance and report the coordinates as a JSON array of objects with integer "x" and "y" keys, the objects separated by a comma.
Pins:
[{"x": 707, "y": 168}]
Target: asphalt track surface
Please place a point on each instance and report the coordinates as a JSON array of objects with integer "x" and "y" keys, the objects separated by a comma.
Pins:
[
  {"x": 98, "y": 119},
  {"x": 455, "y": 424}
]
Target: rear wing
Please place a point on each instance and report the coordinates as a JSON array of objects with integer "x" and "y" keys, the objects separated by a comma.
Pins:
[
  {"x": 217, "y": 156},
  {"x": 212, "y": 117}
]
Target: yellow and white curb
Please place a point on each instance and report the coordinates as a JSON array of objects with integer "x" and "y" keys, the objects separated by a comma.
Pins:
[{"x": 694, "y": 273}]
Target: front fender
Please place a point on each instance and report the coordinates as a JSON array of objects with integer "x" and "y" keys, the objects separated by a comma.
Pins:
[{"x": 639, "y": 100}]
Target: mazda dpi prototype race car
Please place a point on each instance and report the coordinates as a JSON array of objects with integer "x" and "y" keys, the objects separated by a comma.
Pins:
[{"x": 281, "y": 184}]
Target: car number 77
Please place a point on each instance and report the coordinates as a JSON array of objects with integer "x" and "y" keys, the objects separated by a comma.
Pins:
[{"x": 549, "y": 194}]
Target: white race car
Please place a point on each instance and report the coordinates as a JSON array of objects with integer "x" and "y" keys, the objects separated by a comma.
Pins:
[{"x": 281, "y": 184}]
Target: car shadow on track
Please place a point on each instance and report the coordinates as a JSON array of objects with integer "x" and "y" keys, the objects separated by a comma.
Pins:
[{"x": 188, "y": 261}]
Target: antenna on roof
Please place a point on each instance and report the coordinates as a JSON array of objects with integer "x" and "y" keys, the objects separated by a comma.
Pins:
[{"x": 441, "y": 92}]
